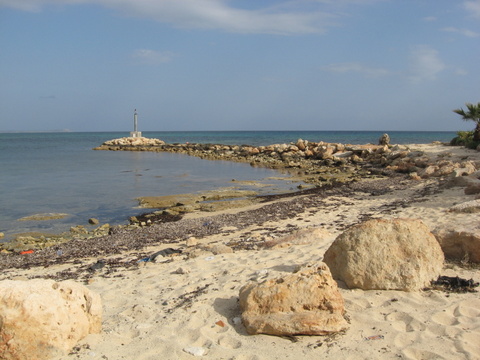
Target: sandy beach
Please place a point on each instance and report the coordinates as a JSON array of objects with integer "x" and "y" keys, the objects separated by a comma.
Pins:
[{"x": 187, "y": 302}]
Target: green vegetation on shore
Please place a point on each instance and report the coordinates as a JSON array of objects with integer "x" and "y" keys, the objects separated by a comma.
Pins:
[{"x": 469, "y": 139}]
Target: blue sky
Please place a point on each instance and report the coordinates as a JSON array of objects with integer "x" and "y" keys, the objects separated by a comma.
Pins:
[{"x": 85, "y": 65}]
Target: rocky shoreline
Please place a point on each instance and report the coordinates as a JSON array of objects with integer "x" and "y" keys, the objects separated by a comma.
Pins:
[
  {"x": 202, "y": 283},
  {"x": 323, "y": 165},
  {"x": 317, "y": 163}
]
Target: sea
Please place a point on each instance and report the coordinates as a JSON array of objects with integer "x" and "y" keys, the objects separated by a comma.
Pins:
[{"x": 51, "y": 173}]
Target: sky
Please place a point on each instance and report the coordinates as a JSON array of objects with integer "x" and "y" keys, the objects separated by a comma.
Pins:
[{"x": 85, "y": 65}]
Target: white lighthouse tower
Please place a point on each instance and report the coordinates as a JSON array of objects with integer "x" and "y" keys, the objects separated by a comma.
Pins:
[{"x": 135, "y": 132}]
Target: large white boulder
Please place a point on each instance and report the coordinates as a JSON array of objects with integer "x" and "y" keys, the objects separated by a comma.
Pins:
[
  {"x": 399, "y": 254},
  {"x": 42, "y": 319},
  {"x": 303, "y": 303}
]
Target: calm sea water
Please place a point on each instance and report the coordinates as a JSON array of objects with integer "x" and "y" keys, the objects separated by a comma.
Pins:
[{"x": 60, "y": 173}]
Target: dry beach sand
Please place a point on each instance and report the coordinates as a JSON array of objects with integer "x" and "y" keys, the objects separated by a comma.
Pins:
[{"x": 178, "y": 305}]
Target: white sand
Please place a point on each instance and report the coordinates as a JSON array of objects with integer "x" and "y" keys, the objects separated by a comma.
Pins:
[{"x": 159, "y": 309}]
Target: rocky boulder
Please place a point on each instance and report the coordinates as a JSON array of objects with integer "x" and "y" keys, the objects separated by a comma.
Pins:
[
  {"x": 399, "y": 254},
  {"x": 459, "y": 244},
  {"x": 304, "y": 303},
  {"x": 384, "y": 140},
  {"x": 42, "y": 319}
]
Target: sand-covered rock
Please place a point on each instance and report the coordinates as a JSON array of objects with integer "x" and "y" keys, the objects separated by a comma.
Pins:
[
  {"x": 472, "y": 206},
  {"x": 300, "y": 237},
  {"x": 398, "y": 254},
  {"x": 459, "y": 244},
  {"x": 41, "y": 319},
  {"x": 307, "y": 302}
]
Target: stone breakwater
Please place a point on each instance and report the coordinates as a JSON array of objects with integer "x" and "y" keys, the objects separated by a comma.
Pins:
[{"x": 317, "y": 162}]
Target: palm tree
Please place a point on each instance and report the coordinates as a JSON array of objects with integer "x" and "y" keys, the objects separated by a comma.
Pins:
[{"x": 473, "y": 114}]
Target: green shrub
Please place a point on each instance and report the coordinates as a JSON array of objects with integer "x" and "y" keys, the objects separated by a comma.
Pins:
[{"x": 465, "y": 138}]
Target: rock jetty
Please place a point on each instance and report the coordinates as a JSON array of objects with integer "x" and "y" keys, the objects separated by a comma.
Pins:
[{"x": 317, "y": 162}]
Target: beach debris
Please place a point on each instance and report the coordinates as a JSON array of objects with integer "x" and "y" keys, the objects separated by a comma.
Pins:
[
  {"x": 44, "y": 319},
  {"x": 455, "y": 284},
  {"x": 407, "y": 255},
  {"x": 186, "y": 300},
  {"x": 26, "y": 252},
  {"x": 374, "y": 337},
  {"x": 209, "y": 258},
  {"x": 164, "y": 253},
  {"x": 97, "y": 266},
  {"x": 220, "y": 323},
  {"x": 195, "y": 350},
  {"x": 307, "y": 302}
]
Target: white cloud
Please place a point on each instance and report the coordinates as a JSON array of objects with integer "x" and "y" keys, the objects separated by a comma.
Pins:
[
  {"x": 430, "y": 18},
  {"x": 36, "y": 5},
  {"x": 464, "y": 32},
  {"x": 285, "y": 17},
  {"x": 356, "y": 68},
  {"x": 152, "y": 57},
  {"x": 473, "y": 7},
  {"x": 425, "y": 64}
]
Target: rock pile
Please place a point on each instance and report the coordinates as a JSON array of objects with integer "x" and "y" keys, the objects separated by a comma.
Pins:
[{"x": 134, "y": 141}]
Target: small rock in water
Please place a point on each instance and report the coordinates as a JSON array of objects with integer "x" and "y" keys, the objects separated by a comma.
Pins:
[
  {"x": 195, "y": 350},
  {"x": 93, "y": 221}
]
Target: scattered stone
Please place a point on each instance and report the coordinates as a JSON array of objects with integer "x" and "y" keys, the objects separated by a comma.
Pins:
[
  {"x": 182, "y": 271},
  {"x": 191, "y": 241},
  {"x": 399, "y": 254},
  {"x": 195, "y": 350},
  {"x": 93, "y": 221},
  {"x": 458, "y": 244},
  {"x": 2, "y": 235},
  {"x": 304, "y": 303},
  {"x": 43, "y": 319},
  {"x": 221, "y": 249}
]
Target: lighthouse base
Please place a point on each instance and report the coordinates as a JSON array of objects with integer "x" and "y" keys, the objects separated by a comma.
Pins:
[{"x": 135, "y": 134}]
